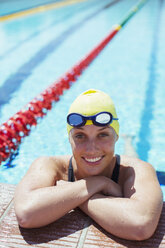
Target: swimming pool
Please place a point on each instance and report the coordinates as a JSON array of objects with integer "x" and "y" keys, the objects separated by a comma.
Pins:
[{"x": 37, "y": 49}]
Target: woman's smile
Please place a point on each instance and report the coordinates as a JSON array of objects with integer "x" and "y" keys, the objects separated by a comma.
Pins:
[{"x": 93, "y": 160}]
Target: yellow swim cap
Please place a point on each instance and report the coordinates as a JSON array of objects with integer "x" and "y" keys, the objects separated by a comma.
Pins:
[{"x": 92, "y": 102}]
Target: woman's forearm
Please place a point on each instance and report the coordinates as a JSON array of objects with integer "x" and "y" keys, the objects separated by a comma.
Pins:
[
  {"x": 42, "y": 206},
  {"x": 122, "y": 217}
]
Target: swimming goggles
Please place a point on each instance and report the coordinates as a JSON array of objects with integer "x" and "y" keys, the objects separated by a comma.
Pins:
[{"x": 100, "y": 119}]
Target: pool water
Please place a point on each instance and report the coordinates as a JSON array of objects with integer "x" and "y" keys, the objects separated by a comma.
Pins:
[{"x": 37, "y": 49}]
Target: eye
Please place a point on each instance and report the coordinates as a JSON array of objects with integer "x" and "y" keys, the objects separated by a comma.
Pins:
[
  {"x": 79, "y": 136},
  {"x": 103, "y": 134}
]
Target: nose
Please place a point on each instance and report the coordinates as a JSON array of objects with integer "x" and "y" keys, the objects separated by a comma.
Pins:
[{"x": 91, "y": 146}]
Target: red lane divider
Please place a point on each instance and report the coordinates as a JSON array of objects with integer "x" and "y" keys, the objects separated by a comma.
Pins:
[{"x": 18, "y": 126}]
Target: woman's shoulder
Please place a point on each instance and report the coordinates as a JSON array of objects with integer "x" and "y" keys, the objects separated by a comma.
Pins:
[
  {"x": 135, "y": 166},
  {"x": 61, "y": 162},
  {"x": 52, "y": 160},
  {"x": 57, "y": 165},
  {"x": 130, "y": 161}
]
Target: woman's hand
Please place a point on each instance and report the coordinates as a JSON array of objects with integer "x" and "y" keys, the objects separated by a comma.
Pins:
[
  {"x": 108, "y": 188},
  {"x": 111, "y": 188}
]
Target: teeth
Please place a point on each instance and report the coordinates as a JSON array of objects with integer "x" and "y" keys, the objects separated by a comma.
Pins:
[{"x": 93, "y": 159}]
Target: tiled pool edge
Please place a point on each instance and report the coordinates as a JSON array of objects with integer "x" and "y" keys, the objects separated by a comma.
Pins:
[{"x": 73, "y": 230}]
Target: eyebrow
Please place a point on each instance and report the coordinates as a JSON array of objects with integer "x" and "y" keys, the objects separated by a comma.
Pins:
[{"x": 103, "y": 128}]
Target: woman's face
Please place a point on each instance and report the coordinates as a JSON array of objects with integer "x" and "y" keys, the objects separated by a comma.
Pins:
[{"x": 93, "y": 149}]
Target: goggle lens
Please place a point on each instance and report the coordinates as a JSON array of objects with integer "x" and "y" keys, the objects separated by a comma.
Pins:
[
  {"x": 75, "y": 120},
  {"x": 103, "y": 118}
]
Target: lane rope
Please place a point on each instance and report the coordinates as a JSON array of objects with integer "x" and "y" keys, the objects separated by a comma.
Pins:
[
  {"x": 13, "y": 131},
  {"x": 38, "y": 9}
]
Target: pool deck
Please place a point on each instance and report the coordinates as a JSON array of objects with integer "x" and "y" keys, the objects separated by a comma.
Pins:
[{"x": 75, "y": 229}]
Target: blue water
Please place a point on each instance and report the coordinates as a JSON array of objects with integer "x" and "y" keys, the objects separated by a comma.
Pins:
[{"x": 37, "y": 49}]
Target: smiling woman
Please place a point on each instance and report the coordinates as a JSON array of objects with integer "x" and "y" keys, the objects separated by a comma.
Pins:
[
  {"x": 101, "y": 180},
  {"x": 93, "y": 150}
]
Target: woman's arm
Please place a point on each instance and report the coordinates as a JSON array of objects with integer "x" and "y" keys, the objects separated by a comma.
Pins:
[
  {"x": 135, "y": 216},
  {"x": 38, "y": 201}
]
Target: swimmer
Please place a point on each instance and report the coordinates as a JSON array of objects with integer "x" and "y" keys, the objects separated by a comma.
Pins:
[{"x": 119, "y": 192}]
